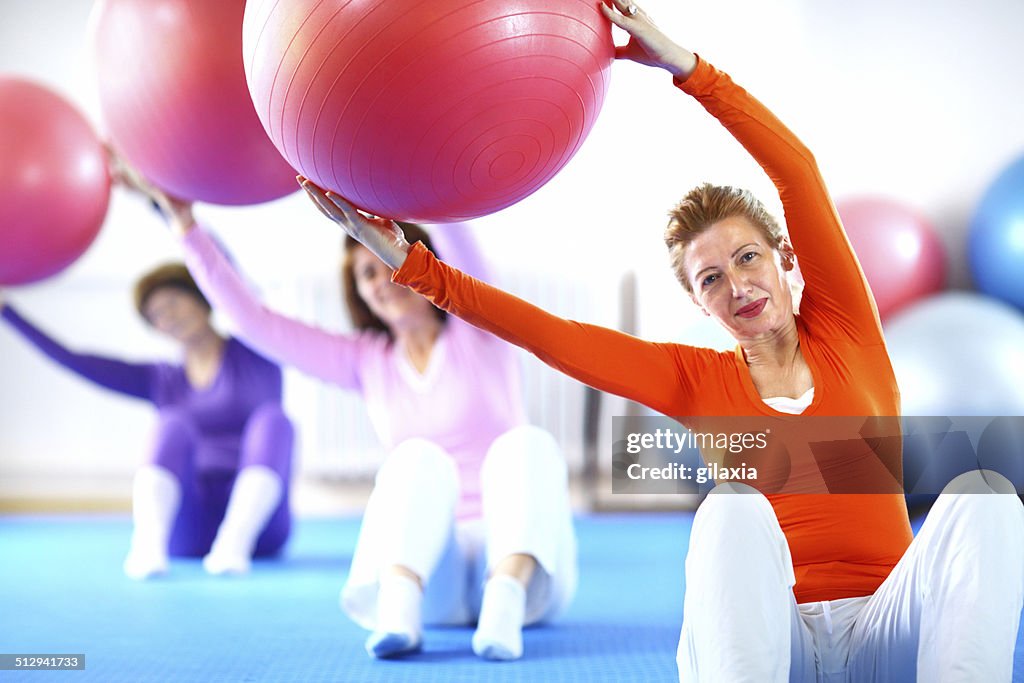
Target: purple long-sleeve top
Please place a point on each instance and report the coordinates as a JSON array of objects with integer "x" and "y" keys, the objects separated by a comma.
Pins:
[
  {"x": 219, "y": 411},
  {"x": 468, "y": 396}
]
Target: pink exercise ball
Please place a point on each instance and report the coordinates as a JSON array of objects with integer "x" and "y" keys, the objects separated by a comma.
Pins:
[
  {"x": 426, "y": 110},
  {"x": 901, "y": 255},
  {"x": 54, "y": 183},
  {"x": 173, "y": 96}
]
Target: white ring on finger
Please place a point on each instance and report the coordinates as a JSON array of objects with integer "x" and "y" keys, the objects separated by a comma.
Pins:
[{"x": 631, "y": 10}]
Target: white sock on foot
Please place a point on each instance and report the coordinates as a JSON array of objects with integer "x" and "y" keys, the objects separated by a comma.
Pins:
[
  {"x": 254, "y": 497},
  {"x": 499, "y": 631},
  {"x": 156, "y": 495},
  {"x": 145, "y": 562},
  {"x": 399, "y": 627}
]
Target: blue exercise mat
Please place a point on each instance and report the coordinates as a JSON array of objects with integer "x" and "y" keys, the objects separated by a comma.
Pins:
[{"x": 62, "y": 591}]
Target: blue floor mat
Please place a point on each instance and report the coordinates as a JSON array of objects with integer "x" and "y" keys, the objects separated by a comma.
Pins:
[{"x": 62, "y": 591}]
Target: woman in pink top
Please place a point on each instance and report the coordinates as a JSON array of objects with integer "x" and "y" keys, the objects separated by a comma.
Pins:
[{"x": 469, "y": 520}]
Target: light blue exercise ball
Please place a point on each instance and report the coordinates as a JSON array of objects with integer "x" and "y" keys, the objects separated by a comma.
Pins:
[
  {"x": 958, "y": 353},
  {"x": 959, "y": 362}
]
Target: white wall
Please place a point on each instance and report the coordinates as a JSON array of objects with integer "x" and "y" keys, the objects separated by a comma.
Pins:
[{"x": 919, "y": 100}]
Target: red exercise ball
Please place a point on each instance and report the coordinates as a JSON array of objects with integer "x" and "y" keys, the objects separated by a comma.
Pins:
[
  {"x": 54, "y": 183},
  {"x": 426, "y": 110},
  {"x": 173, "y": 96},
  {"x": 901, "y": 255}
]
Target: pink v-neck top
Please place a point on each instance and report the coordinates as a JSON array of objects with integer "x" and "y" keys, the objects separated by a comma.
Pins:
[{"x": 469, "y": 394}]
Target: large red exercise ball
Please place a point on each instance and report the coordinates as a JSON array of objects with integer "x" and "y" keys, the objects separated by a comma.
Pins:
[
  {"x": 425, "y": 110},
  {"x": 54, "y": 183},
  {"x": 173, "y": 96},
  {"x": 901, "y": 255},
  {"x": 996, "y": 243}
]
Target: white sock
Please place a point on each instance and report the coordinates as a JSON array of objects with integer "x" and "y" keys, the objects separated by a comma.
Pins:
[
  {"x": 254, "y": 497},
  {"x": 156, "y": 495},
  {"x": 499, "y": 631},
  {"x": 399, "y": 627}
]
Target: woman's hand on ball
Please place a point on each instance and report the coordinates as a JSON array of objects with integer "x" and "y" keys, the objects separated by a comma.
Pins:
[
  {"x": 381, "y": 236},
  {"x": 177, "y": 212},
  {"x": 647, "y": 44}
]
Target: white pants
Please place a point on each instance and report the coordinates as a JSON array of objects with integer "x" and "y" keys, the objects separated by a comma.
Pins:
[
  {"x": 949, "y": 611},
  {"x": 409, "y": 521}
]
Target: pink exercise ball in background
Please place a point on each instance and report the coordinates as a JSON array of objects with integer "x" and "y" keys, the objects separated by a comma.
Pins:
[
  {"x": 173, "y": 96},
  {"x": 54, "y": 183},
  {"x": 428, "y": 111},
  {"x": 901, "y": 255}
]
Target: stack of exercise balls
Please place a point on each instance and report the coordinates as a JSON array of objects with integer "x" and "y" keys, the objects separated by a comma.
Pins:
[
  {"x": 428, "y": 111},
  {"x": 54, "y": 183},
  {"x": 958, "y": 356}
]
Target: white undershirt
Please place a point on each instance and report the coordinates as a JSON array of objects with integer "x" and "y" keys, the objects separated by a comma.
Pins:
[{"x": 792, "y": 406}]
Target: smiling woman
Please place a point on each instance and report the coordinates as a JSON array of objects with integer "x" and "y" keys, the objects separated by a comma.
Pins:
[
  {"x": 372, "y": 300},
  {"x": 736, "y": 263},
  {"x": 737, "y": 272},
  {"x": 777, "y": 574}
]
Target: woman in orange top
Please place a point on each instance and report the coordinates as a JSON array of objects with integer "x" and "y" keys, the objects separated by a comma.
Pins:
[{"x": 841, "y": 571}]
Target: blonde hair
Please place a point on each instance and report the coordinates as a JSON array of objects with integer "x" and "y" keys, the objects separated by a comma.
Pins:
[{"x": 705, "y": 205}]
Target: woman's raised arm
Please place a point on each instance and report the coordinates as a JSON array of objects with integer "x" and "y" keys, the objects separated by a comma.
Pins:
[
  {"x": 333, "y": 357},
  {"x": 662, "y": 376},
  {"x": 330, "y": 356},
  {"x": 836, "y": 295},
  {"x": 132, "y": 379}
]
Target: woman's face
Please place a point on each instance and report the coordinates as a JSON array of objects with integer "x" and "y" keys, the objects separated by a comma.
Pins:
[
  {"x": 394, "y": 304},
  {"x": 176, "y": 313},
  {"x": 739, "y": 279}
]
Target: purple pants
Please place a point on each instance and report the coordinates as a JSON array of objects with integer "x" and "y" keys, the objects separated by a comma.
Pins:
[{"x": 206, "y": 471}]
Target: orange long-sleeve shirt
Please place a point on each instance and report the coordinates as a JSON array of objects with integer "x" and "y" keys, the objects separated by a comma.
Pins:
[{"x": 843, "y": 545}]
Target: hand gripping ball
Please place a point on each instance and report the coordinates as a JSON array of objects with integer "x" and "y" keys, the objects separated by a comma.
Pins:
[
  {"x": 173, "y": 96},
  {"x": 427, "y": 110},
  {"x": 54, "y": 183}
]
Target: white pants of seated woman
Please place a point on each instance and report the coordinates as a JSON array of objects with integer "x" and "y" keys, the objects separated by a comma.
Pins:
[
  {"x": 409, "y": 521},
  {"x": 949, "y": 611}
]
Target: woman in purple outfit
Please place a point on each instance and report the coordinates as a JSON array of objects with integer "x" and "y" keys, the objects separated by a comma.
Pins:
[{"x": 215, "y": 484}]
